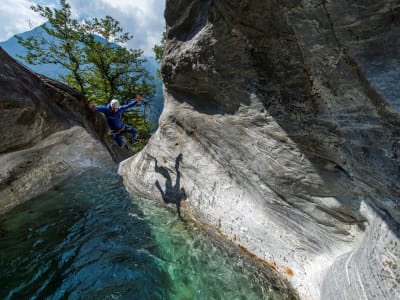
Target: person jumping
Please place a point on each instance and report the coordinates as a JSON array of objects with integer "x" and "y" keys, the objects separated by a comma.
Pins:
[{"x": 113, "y": 112}]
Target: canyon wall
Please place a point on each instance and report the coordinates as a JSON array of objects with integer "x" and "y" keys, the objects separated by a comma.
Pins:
[
  {"x": 47, "y": 134},
  {"x": 281, "y": 128}
]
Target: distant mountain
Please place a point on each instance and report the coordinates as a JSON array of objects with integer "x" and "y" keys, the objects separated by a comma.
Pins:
[{"x": 14, "y": 49}]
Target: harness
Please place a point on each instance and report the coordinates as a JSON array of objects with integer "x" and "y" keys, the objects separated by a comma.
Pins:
[{"x": 118, "y": 131}]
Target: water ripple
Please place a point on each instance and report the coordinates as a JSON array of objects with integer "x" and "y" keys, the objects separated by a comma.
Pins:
[{"x": 87, "y": 239}]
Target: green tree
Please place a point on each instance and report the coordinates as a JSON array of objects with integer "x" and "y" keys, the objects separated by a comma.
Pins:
[
  {"x": 96, "y": 65},
  {"x": 60, "y": 46},
  {"x": 110, "y": 70}
]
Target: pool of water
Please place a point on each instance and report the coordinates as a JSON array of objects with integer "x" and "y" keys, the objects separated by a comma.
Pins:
[{"x": 89, "y": 239}]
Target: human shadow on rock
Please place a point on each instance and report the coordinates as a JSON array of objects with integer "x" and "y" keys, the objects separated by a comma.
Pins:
[{"x": 173, "y": 193}]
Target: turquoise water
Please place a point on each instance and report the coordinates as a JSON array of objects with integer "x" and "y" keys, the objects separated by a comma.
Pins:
[{"x": 88, "y": 239}]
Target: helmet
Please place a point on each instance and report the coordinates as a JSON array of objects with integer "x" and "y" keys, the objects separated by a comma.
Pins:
[{"x": 114, "y": 103}]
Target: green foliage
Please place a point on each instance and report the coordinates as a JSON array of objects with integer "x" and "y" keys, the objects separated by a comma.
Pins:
[
  {"x": 114, "y": 70},
  {"x": 96, "y": 65},
  {"x": 61, "y": 47},
  {"x": 142, "y": 126},
  {"x": 159, "y": 49}
]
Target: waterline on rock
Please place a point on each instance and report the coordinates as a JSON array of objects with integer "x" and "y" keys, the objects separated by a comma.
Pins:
[{"x": 203, "y": 267}]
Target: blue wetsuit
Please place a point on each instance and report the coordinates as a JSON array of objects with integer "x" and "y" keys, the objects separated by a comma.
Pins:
[{"x": 114, "y": 121}]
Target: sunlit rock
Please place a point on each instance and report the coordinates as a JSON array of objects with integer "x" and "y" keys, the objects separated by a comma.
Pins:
[{"x": 284, "y": 118}]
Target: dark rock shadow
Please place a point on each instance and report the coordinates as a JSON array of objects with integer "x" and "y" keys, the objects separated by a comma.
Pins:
[{"x": 173, "y": 193}]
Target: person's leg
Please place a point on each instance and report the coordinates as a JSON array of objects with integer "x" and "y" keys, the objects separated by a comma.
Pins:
[
  {"x": 119, "y": 139},
  {"x": 132, "y": 131}
]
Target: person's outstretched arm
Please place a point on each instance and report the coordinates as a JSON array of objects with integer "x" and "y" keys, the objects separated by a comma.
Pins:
[
  {"x": 100, "y": 108},
  {"x": 131, "y": 104}
]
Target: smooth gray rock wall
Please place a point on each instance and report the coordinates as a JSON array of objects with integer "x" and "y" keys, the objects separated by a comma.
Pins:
[{"x": 281, "y": 128}]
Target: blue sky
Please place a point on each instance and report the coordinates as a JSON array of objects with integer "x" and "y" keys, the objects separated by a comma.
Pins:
[{"x": 144, "y": 19}]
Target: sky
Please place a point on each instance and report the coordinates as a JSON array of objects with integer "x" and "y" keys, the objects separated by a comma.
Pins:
[{"x": 144, "y": 19}]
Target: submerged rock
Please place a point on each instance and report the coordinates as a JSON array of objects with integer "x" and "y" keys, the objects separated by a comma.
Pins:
[
  {"x": 48, "y": 134},
  {"x": 281, "y": 128}
]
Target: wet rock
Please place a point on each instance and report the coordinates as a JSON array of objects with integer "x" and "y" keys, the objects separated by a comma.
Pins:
[{"x": 286, "y": 118}]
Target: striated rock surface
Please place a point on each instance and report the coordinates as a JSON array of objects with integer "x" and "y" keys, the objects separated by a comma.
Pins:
[
  {"x": 281, "y": 128},
  {"x": 47, "y": 134}
]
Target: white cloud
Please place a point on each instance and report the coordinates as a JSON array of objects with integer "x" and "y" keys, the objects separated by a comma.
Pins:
[
  {"x": 16, "y": 16},
  {"x": 144, "y": 19}
]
